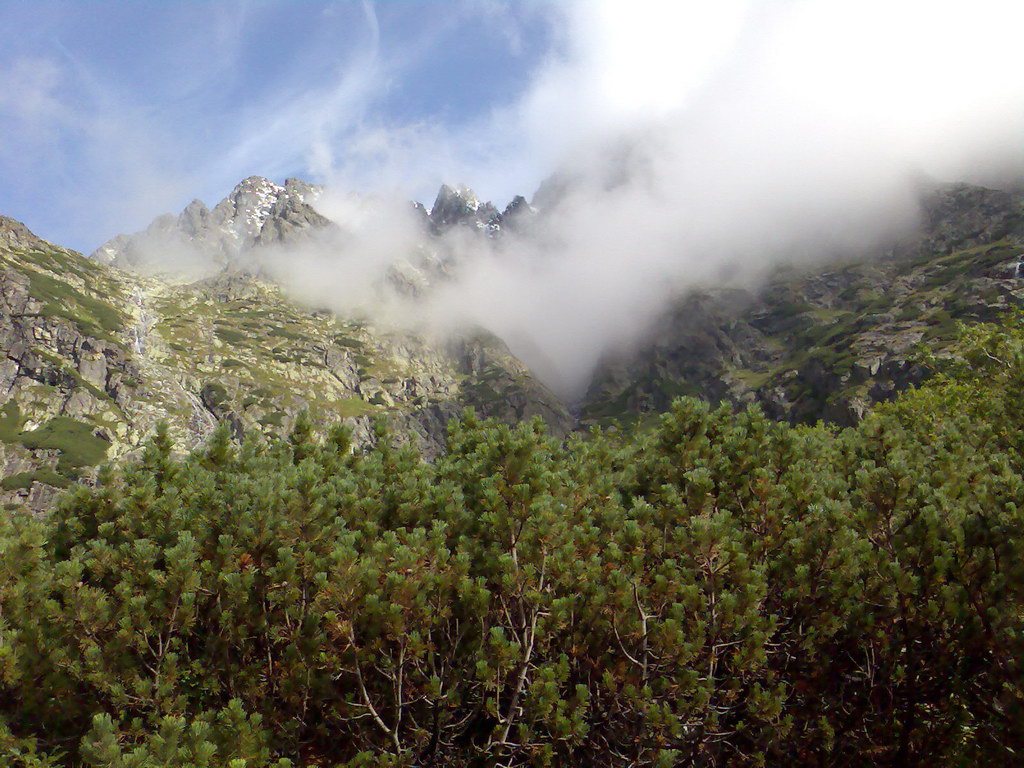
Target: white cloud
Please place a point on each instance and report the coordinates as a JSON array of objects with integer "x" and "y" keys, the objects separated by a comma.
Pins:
[
  {"x": 716, "y": 139},
  {"x": 705, "y": 138}
]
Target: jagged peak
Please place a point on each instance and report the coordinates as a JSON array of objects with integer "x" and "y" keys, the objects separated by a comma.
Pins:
[
  {"x": 460, "y": 194},
  {"x": 256, "y": 182},
  {"x": 193, "y": 218},
  {"x": 162, "y": 223},
  {"x": 256, "y": 212},
  {"x": 302, "y": 188},
  {"x": 518, "y": 205},
  {"x": 196, "y": 205},
  {"x": 456, "y": 205}
]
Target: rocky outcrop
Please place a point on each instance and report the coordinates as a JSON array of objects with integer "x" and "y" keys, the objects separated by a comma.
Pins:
[
  {"x": 518, "y": 215},
  {"x": 291, "y": 217},
  {"x": 64, "y": 373},
  {"x": 829, "y": 343},
  {"x": 256, "y": 212},
  {"x": 14, "y": 234},
  {"x": 92, "y": 357},
  {"x": 459, "y": 206},
  {"x": 497, "y": 385},
  {"x": 959, "y": 216}
]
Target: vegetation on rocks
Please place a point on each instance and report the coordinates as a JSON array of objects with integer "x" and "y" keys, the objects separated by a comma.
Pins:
[
  {"x": 828, "y": 343},
  {"x": 116, "y": 352},
  {"x": 719, "y": 590}
]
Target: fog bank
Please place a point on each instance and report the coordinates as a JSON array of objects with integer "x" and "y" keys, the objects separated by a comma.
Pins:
[{"x": 697, "y": 143}]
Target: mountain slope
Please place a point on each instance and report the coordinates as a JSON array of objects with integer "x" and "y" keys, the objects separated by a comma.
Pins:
[
  {"x": 828, "y": 342},
  {"x": 94, "y": 357}
]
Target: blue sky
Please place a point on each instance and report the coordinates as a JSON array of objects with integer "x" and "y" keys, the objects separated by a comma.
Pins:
[{"x": 117, "y": 111}]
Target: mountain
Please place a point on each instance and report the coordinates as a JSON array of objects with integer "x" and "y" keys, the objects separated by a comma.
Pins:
[
  {"x": 260, "y": 213},
  {"x": 829, "y": 342},
  {"x": 94, "y": 356},
  {"x": 96, "y": 351},
  {"x": 257, "y": 212}
]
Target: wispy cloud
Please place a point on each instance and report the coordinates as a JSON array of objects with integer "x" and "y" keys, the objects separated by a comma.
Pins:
[{"x": 112, "y": 141}]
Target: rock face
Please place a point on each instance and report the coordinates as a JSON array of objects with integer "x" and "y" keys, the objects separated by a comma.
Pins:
[
  {"x": 93, "y": 356},
  {"x": 960, "y": 216},
  {"x": 518, "y": 214},
  {"x": 14, "y": 234},
  {"x": 66, "y": 369},
  {"x": 460, "y": 207},
  {"x": 257, "y": 212},
  {"x": 828, "y": 344}
]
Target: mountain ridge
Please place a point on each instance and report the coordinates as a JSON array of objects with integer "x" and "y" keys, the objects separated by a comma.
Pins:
[
  {"x": 258, "y": 212},
  {"x": 94, "y": 355}
]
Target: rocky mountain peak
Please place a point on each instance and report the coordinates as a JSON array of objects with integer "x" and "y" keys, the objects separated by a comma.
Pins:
[
  {"x": 14, "y": 234},
  {"x": 256, "y": 212},
  {"x": 243, "y": 212},
  {"x": 303, "y": 190},
  {"x": 517, "y": 212},
  {"x": 460, "y": 205},
  {"x": 259, "y": 212},
  {"x": 194, "y": 218},
  {"x": 452, "y": 204}
]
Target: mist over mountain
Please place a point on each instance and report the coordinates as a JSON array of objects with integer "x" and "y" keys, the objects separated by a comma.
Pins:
[
  {"x": 684, "y": 189},
  {"x": 676, "y": 146},
  {"x": 612, "y": 383},
  {"x": 327, "y": 453}
]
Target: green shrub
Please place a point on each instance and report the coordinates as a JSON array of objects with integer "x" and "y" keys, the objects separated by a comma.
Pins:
[{"x": 717, "y": 590}]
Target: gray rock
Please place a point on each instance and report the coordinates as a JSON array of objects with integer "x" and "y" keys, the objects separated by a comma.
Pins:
[
  {"x": 459, "y": 206},
  {"x": 256, "y": 212},
  {"x": 14, "y": 234}
]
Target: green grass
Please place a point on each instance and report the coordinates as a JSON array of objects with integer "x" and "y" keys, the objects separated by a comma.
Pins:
[
  {"x": 670, "y": 389},
  {"x": 752, "y": 379},
  {"x": 285, "y": 333},
  {"x": 941, "y": 326},
  {"x": 214, "y": 394},
  {"x": 74, "y": 439},
  {"x": 231, "y": 336},
  {"x": 792, "y": 309},
  {"x": 910, "y": 311},
  {"x": 350, "y": 407},
  {"x": 973, "y": 262},
  {"x": 93, "y": 317},
  {"x": 275, "y": 419},
  {"x": 350, "y": 343},
  {"x": 67, "y": 263},
  {"x": 10, "y": 422},
  {"x": 23, "y": 480}
]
